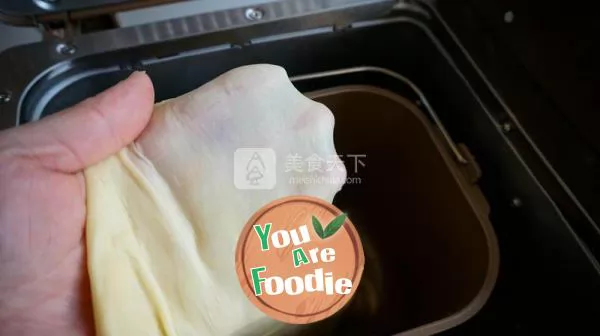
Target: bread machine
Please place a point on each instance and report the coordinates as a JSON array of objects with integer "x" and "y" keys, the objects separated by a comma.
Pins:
[{"x": 515, "y": 131}]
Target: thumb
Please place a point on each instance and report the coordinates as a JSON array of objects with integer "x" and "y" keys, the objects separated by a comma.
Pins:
[{"x": 94, "y": 129}]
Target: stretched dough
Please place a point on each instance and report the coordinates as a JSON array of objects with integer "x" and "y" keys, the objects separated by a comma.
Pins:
[{"x": 164, "y": 214}]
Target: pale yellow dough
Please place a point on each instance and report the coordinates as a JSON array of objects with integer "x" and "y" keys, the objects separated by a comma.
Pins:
[{"x": 164, "y": 214}]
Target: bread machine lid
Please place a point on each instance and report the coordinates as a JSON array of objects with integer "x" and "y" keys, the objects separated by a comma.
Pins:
[{"x": 31, "y": 12}]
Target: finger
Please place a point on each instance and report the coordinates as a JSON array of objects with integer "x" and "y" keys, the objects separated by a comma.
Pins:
[{"x": 94, "y": 129}]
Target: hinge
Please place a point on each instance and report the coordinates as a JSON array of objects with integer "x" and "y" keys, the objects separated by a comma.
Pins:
[{"x": 64, "y": 29}]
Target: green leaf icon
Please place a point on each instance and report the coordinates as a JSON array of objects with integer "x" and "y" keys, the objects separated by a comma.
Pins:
[
  {"x": 334, "y": 226},
  {"x": 331, "y": 228},
  {"x": 318, "y": 227}
]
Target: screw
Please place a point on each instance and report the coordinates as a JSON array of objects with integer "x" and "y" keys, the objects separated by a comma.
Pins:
[
  {"x": 506, "y": 127},
  {"x": 254, "y": 14},
  {"x": 46, "y": 4},
  {"x": 66, "y": 49},
  {"x": 5, "y": 97},
  {"x": 516, "y": 202},
  {"x": 509, "y": 17}
]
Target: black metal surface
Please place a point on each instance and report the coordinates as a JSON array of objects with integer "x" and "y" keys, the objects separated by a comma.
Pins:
[
  {"x": 21, "y": 65},
  {"x": 34, "y": 12},
  {"x": 540, "y": 63},
  {"x": 40, "y": 7},
  {"x": 548, "y": 282}
]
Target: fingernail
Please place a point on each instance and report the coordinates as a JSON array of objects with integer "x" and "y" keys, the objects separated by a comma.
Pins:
[{"x": 137, "y": 73}]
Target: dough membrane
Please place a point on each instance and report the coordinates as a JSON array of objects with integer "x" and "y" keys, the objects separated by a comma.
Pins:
[{"x": 164, "y": 214}]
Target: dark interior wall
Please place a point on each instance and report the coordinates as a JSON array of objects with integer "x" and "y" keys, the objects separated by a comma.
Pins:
[
  {"x": 559, "y": 44},
  {"x": 544, "y": 64}
]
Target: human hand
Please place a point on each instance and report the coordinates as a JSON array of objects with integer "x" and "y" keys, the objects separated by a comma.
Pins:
[
  {"x": 44, "y": 284},
  {"x": 168, "y": 243}
]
